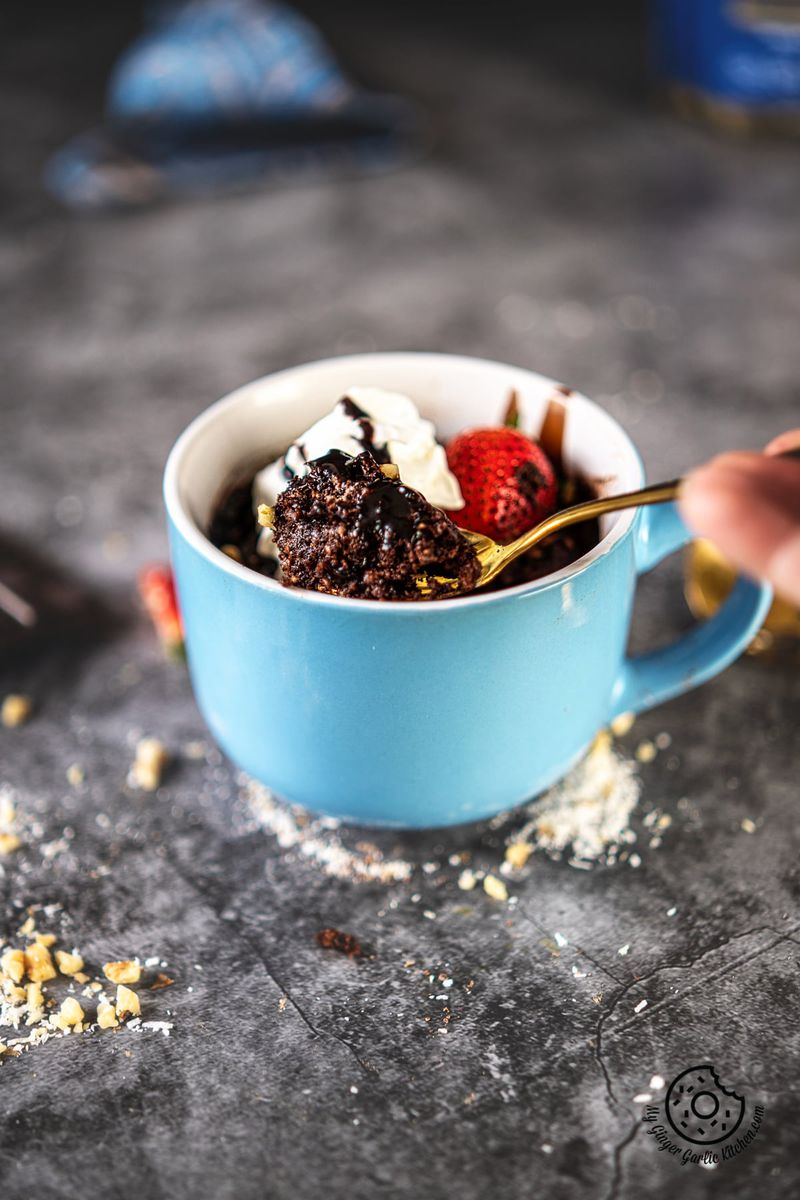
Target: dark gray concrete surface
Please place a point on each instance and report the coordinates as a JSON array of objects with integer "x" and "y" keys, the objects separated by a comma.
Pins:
[{"x": 559, "y": 222}]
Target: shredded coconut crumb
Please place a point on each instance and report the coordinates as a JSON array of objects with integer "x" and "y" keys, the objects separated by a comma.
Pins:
[
  {"x": 588, "y": 811},
  {"x": 164, "y": 1027},
  {"x": 317, "y": 841}
]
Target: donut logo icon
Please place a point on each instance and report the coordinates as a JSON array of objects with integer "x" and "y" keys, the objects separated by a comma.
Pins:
[{"x": 700, "y": 1109}]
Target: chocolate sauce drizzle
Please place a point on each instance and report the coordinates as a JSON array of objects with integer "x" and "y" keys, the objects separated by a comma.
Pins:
[
  {"x": 367, "y": 435},
  {"x": 389, "y": 510},
  {"x": 288, "y": 472},
  {"x": 334, "y": 461}
]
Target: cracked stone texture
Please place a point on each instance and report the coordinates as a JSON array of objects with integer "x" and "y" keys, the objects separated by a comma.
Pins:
[{"x": 561, "y": 222}]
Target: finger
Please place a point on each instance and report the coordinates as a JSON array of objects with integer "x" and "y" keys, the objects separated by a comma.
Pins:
[
  {"x": 768, "y": 478},
  {"x": 783, "y": 442},
  {"x": 749, "y": 506}
]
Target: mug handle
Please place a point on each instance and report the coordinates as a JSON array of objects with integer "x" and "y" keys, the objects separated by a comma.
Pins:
[{"x": 651, "y": 678}]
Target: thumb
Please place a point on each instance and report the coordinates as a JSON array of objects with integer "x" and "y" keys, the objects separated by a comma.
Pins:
[
  {"x": 784, "y": 442},
  {"x": 749, "y": 506}
]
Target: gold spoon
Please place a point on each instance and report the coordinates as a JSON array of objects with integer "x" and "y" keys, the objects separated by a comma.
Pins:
[{"x": 493, "y": 557}]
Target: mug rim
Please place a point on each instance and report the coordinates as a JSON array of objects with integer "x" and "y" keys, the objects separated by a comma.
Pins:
[{"x": 188, "y": 528}]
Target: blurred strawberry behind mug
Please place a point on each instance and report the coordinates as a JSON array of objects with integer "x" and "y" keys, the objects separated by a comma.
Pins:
[{"x": 735, "y": 63}]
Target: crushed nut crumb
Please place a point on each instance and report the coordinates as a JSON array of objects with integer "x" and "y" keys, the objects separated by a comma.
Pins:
[
  {"x": 69, "y": 964},
  {"x": 15, "y": 710},
  {"x": 75, "y": 774},
  {"x": 495, "y": 888},
  {"x": 12, "y": 964},
  {"x": 34, "y": 1000},
  {"x": 12, "y": 993},
  {"x": 38, "y": 963},
  {"x": 149, "y": 763},
  {"x": 645, "y": 752},
  {"x": 70, "y": 1015},
  {"x": 518, "y": 853},
  {"x": 125, "y": 971},
  {"x": 127, "y": 1003},
  {"x": 623, "y": 724},
  {"x": 602, "y": 742},
  {"x": 106, "y": 1015}
]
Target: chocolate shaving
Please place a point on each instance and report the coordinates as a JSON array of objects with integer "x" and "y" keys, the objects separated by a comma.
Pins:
[{"x": 551, "y": 434}]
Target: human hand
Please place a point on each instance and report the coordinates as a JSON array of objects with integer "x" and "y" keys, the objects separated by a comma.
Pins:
[{"x": 748, "y": 505}]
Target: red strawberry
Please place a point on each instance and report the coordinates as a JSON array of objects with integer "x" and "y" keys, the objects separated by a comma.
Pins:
[
  {"x": 507, "y": 481},
  {"x": 157, "y": 590}
]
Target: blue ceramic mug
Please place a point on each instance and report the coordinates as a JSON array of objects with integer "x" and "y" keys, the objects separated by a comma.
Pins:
[{"x": 423, "y": 714}]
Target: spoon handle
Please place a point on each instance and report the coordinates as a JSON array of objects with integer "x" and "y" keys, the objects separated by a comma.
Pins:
[{"x": 656, "y": 493}]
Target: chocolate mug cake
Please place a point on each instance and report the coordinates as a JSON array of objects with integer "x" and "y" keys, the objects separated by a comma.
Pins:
[{"x": 367, "y": 503}]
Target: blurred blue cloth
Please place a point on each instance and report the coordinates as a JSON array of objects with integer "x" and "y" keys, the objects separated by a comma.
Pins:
[{"x": 216, "y": 94}]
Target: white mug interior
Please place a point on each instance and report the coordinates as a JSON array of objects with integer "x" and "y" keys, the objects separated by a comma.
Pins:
[{"x": 254, "y": 425}]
